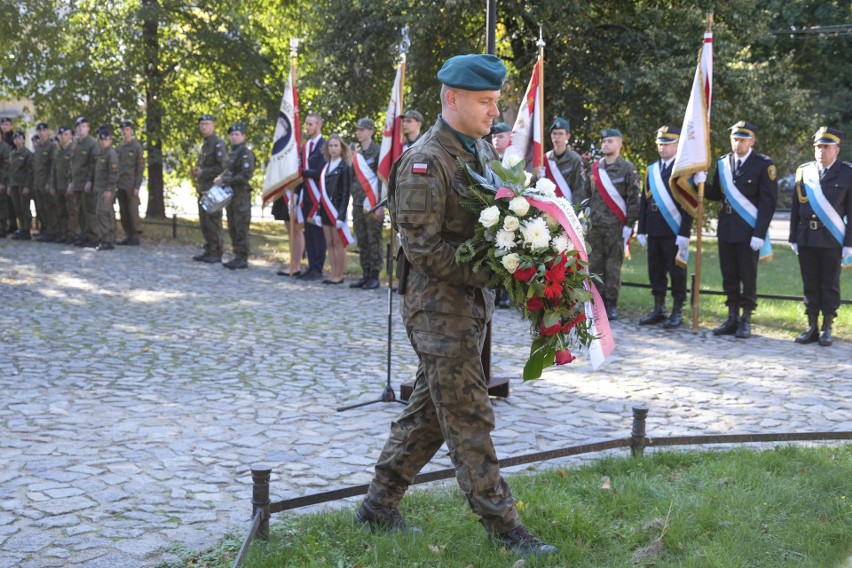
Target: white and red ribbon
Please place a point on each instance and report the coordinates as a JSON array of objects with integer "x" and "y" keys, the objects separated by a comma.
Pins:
[
  {"x": 553, "y": 174},
  {"x": 368, "y": 179},
  {"x": 607, "y": 190},
  {"x": 331, "y": 212}
]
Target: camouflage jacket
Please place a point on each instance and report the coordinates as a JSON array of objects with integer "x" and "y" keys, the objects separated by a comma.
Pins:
[
  {"x": 212, "y": 161},
  {"x": 5, "y": 154},
  {"x": 238, "y": 174},
  {"x": 626, "y": 180}
]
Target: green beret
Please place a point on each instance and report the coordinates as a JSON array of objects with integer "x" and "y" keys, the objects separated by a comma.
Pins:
[
  {"x": 473, "y": 72},
  {"x": 206, "y": 116},
  {"x": 500, "y": 128},
  {"x": 611, "y": 133},
  {"x": 561, "y": 123},
  {"x": 237, "y": 127}
]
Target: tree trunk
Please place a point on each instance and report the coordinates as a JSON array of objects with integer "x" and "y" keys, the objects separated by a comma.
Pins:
[{"x": 154, "y": 115}]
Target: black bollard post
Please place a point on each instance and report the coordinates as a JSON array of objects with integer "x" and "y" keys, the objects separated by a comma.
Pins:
[
  {"x": 637, "y": 437},
  {"x": 260, "y": 497},
  {"x": 174, "y": 226}
]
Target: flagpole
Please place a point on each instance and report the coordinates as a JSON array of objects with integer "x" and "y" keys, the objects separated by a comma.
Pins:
[
  {"x": 294, "y": 224},
  {"x": 696, "y": 290},
  {"x": 403, "y": 46},
  {"x": 540, "y": 111}
]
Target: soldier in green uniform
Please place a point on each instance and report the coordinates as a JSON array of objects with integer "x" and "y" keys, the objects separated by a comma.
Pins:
[
  {"x": 131, "y": 167},
  {"x": 60, "y": 179},
  {"x": 368, "y": 226},
  {"x": 238, "y": 176},
  {"x": 83, "y": 158},
  {"x": 106, "y": 177},
  {"x": 212, "y": 161},
  {"x": 565, "y": 166},
  {"x": 446, "y": 310},
  {"x": 45, "y": 152},
  {"x": 21, "y": 180},
  {"x": 5, "y": 205},
  {"x": 613, "y": 194}
]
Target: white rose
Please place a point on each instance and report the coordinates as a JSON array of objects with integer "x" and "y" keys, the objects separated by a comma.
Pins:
[
  {"x": 490, "y": 216},
  {"x": 505, "y": 239},
  {"x": 511, "y": 223},
  {"x": 511, "y": 262},
  {"x": 546, "y": 187},
  {"x": 560, "y": 243},
  {"x": 519, "y": 206}
]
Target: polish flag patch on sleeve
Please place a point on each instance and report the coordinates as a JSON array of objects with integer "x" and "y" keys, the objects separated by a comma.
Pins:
[{"x": 420, "y": 168}]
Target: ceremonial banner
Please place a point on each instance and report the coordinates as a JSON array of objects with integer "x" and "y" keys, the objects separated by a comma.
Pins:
[
  {"x": 526, "y": 133},
  {"x": 283, "y": 172},
  {"x": 693, "y": 153},
  {"x": 391, "y": 148}
]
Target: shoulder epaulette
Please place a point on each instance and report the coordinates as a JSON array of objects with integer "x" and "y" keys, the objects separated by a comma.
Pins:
[
  {"x": 847, "y": 164},
  {"x": 763, "y": 156}
]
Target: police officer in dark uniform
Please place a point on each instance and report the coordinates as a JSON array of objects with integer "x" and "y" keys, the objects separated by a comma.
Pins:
[
  {"x": 747, "y": 208},
  {"x": 238, "y": 176},
  {"x": 664, "y": 229},
  {"x": 819, "y": 231}
]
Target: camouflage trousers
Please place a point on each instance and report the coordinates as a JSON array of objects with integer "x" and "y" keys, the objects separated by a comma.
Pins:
[
  {"x": 211, "y": 229},
  {"x": 606, "y": 258},
  {"x": 106, "y": 217},
  {"x": 449, "y": 403},
  {"x": 239, "y": 219},
  {"x": 368, "y": 231}
]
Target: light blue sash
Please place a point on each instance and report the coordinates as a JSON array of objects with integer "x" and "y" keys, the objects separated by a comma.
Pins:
[
  {"x": 663, "y": 198},
  {"x": 740, "y": 203}
]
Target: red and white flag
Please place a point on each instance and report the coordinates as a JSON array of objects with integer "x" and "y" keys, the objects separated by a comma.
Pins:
[
  {"x": 526, "y": 137},
  {"x": 284, "y": 169},
  {"x": 391, "y": 148},
  {"x": 693, "y": 153}
]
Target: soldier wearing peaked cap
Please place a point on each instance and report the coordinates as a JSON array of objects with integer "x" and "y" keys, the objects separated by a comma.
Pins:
[
  {"x": 819, "y": 231},
  {"x": 664, "y": 228},
  {"x": 212, "y": 161},
  {"x": 238, "y": 176},
  {"x": 745, "y": 182},
  {"x": 446, "y": 309},
  {"x": 131, "y": 170},
  {"x": 564, "y": 166}
]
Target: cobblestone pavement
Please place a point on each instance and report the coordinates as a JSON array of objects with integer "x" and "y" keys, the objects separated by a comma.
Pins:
[{"x": 139, "y": 386}]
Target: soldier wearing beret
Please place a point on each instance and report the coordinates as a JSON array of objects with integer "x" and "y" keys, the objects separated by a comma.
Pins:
[
  {"x": 44, "y": 154},
  {"x": 60, "y": 179},
  {"x": 613, "y": 194},
  {"x": 564, "y": 166},
  {"x": 106, "y": 178},
  {"x": 446, "y": 310},
  {"x": 238, "y": 176},
  {"x": 20, "y": 183},
  {"x": 501, "y": 136},
  {"x": 131, "y": 169},
  {"x": 83, "y": 219},
  {"x": 664, "y": 228},
  {"x": 745, "y": 182},
  {"x": 819, "y": 231},
  {"x": 6, "y": 210},
  {"x": 412, "y": 124},
  {"x": 368, "y": 226},
  {"x": 212, "y": 161}
]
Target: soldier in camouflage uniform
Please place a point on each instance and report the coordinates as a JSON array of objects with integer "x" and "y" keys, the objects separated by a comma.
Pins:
[
  {"x": 21, "y": 180},
  {"x": 106, "y": 177},
  {"x": 238, "y": 176},
  {"x": 610, "y": 231},
  {"x": 131, "y": 167},
  {"x": 212, "y": 161},
  {"x": 60, "y": 179},
  {"x": 5, "y": 205},
  {"x": 446, "y": 312},
  {"x": 45, "y": 152},
  {"x": 569, "y": 164},
  {"x": 368, "y": 226},
  {"x": 84, "y": 220}
]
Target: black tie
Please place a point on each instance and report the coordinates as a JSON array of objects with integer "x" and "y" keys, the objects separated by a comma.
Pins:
[{"x": 739, "y": 165}]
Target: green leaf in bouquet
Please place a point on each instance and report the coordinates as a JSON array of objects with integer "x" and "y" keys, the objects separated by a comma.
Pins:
[
  {"x": 551, "y": 318},
  {"x": 476, "y": 178}
]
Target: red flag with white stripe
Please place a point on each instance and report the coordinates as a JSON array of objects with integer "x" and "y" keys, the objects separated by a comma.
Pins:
[
  {"x": 391, "y": 148},
  {"x": 284, "y": 169},
  {"x": 526, "y": 137}
]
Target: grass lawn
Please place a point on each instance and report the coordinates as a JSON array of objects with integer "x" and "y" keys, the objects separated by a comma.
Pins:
[{"x": 788, "y": 506}]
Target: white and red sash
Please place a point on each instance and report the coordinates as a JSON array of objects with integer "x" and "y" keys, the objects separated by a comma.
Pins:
[
  {"x": 553, "y": 174},
  {"x": 607, "y": 190},
  {"x": 368, "y": 179},
  {"x": 332, "y": 213}
]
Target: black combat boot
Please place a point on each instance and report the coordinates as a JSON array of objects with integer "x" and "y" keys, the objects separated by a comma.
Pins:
[
  {"x": 656, "y": 315},
  {"x": 677, "y": 316},
  {"x": 825, "y": 336},
  {"x": 611, "y": 309},
  {"x": 522, "y": 542},
  {"x": 375, "y": 516},
  {"x": 810, "y": 335},
  {"x": 373, "y": 281},
  {"x": 361, "y": 281},
  {"x": 729, "y": 326},
  {"x": 744, "y": 327}
]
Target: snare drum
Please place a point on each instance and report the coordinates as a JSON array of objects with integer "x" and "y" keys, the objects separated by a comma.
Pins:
[{"x": 217, "y": 198}]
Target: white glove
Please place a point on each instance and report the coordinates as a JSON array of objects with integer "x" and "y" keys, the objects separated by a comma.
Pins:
[
  {"x": 795, "y": 248},
  {"x": 847, "y": 251},
  {"x": 643, "y": 240},
  {"x": 682, "y": 242},
  {"x": 755, "y": 243},
  {"x": 339, "y": 224},
  {"x": 626, "y": 232},
  {"x": 699, "y": 177}
]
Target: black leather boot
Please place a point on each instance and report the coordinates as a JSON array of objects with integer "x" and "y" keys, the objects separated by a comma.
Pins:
[
  {"x": 656, "y": 315},
  {"x": 372, "y": 281},
  {"x": 729, "y": 326},
  {"x": 676, "y": 318},
  {"x": 363, "y": 280},
  {"x": 811, "y": 334},
  {"x": 825, "y": 336},
  {"x": 744, "y": 327}
]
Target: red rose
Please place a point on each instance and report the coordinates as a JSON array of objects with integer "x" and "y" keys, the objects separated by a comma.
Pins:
[
  {"x": 552, "y": 291},
  {"x": 564, "y": 357},
  {"x": 524, "y": 274},
  {"x": 535, "y": 304},
  {"x": 547, "y": 331}
]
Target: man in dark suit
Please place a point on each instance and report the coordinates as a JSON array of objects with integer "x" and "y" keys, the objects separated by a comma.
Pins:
[
  {"x": 312, "y": 164},
  {"x": 819, "y": 234},
  {"x": 664, "y": 229},
  {"x": 746, "y": 184}
]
